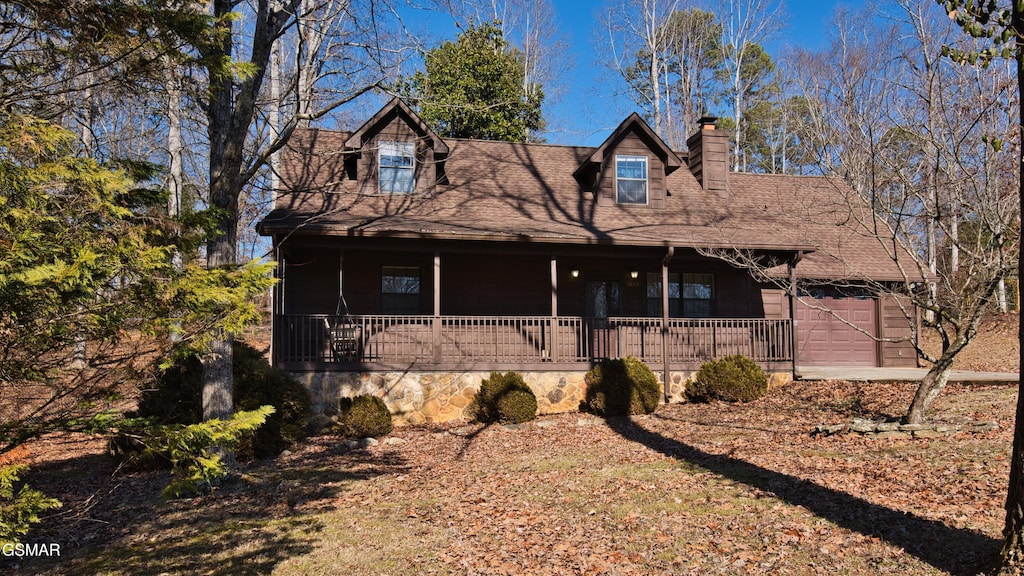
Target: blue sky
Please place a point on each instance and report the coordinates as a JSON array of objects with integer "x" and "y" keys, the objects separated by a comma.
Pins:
[{"x": 588, "y": 109}]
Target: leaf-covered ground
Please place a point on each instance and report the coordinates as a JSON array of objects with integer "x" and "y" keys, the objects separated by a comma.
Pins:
[{"x": 691, "y": 489}]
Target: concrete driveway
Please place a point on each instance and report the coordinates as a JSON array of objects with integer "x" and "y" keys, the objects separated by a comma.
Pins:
[{"x": 896, "y": 374}]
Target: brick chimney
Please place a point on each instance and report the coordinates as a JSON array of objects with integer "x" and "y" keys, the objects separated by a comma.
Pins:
[{"x": 709, "y": 155}]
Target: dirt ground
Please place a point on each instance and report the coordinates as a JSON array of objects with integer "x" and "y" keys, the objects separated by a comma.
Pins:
[
  {"x": 996, "y": 349},
  {"x": 691, "y": 489}
]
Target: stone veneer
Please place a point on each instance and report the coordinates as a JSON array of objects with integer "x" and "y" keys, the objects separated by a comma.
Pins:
[{"x": 421, "y": 397}]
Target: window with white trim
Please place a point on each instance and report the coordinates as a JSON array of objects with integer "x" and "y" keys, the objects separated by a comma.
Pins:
[
  {"x": 631, "y": 179},
  {"x": 397, "y": 167}
]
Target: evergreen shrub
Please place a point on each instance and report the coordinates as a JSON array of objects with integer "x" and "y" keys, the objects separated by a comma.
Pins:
[
  {"x": 622, "y": 387},
  {"x": 177, "y": 399},
  {"x": 730, "y": 379},
  {"x": 504, "y": 398},
  {"x": 364, "y": 416}
]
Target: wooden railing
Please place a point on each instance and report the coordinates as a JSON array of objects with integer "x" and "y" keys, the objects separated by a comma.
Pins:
[{"x": 388, "y": 340}]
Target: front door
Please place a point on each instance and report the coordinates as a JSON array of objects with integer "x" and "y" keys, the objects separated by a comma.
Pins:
[{"x": 604, "y": 299}]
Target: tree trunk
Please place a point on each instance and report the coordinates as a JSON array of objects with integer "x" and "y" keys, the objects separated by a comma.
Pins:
[
  {"x": 929, "y": 388},
  {"x": 1012, "y": 553}
]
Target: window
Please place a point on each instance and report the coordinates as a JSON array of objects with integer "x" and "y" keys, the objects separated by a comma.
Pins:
[
  {"x": 698, "y": 293},
  {"x": 397, "y": 162},
  {"x": 400, "y": 290},
  {"x": 631, "y": 179},
  {"x": 654, "y": 294}
]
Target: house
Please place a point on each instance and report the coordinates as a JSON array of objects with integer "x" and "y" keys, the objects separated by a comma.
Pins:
[{"x": 412, "y": 266}]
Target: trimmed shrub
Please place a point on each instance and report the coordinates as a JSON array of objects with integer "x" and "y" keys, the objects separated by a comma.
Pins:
[
  {"x": 622, "y": 387},
  {"x": 504, "y": 398},
  {"x": 730, "y": 379},
  {"x": 364, "y": 416},
  {"x": 177, "y": 399}
]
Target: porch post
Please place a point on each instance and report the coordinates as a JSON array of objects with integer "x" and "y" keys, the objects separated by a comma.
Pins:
[
  {"x": 792, "y": 308},
  {"x": 436, "y": 322},
  {"x": 553, "y": 340},
  {"x": 276, "y": 303},
  {"x": 664, "y": 322}
]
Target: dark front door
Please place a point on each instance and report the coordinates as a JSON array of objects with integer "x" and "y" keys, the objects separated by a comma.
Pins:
[{"x": 604, "y": 299}]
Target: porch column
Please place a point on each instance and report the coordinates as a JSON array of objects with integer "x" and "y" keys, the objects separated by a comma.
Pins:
[
  {"x": 437, "y": 308},
  {"x": 553, "y": 340},
  {"x": 792, "y": 309},
  {"x": 664, "y": 322},
  {"x": 277, "y": 303}
]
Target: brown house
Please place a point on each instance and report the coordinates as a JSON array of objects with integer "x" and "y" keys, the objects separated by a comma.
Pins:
[{"x": 411, "y": 266}]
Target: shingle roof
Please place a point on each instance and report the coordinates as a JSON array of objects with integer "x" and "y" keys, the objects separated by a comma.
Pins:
[{"x": 503, "y": 191}]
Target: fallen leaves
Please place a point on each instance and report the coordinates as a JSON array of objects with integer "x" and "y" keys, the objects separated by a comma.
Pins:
[{"x": 702, "y": 489}]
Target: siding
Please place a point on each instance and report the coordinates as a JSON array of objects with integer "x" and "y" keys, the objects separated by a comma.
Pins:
[
  {"x": 633, "y": 145},
  {"x": 894, "y": 324},
  {"x": 396, "y": 130}
]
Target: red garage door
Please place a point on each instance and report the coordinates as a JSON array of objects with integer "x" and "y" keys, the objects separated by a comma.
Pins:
[{"x": 825, "y": 336}]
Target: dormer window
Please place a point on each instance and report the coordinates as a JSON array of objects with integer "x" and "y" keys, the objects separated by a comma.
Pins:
[
  {"x": 397, "y": 167},
  {"x": 631, "y": 179}
]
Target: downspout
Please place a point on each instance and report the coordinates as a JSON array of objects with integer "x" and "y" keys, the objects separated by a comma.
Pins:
[
  {"x": 664, "y": 320},
  {"x": 792, "y": 308},
  {"x": 436, "y": 321}
]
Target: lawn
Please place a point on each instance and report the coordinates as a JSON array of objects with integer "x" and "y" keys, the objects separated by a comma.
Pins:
[{"x": 701, "y": 489}]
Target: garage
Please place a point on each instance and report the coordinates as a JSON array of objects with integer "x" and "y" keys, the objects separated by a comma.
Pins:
[{"x": 829, "y": 324}]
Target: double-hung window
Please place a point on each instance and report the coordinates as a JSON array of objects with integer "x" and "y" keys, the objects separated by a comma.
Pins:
[
  {"x": 698, "y": 295},
  {"x": 654, "y": 294},
  {"x": 631, "y": 179},
  {"x": 400, "y": 290},
  {"x": 397, "y": 167}
]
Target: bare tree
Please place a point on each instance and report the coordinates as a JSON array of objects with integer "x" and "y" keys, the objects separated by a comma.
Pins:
[
  {"x": 638, "y": 41},
  {"x": 340, "y": 56},
  {"x": 744, "y": 23},
  {"x": 923, "y": 147}
]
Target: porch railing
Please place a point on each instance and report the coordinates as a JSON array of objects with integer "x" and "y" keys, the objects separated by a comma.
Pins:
[{"x": 523, "y": 340}]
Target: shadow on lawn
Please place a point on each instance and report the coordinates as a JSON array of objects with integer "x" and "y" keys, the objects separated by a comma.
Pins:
[
  {"x": 119, "y": 525},
  {"x": 954, "y": 550}
]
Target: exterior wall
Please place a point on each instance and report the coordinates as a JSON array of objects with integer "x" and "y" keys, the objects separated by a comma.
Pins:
[
  {"x": 311, "y": 281},
  {"x": 397, "y": 130},
  {"x": 894, "y": 324},
  {"x": 433, "y": 397},
  {"x": 500, "y": 284},
  {"x": 480, "y": 284},
  {"x": 632, "y": 144}
]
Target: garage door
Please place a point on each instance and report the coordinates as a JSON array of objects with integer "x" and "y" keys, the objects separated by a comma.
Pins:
[{"x": 824, "y": 334}]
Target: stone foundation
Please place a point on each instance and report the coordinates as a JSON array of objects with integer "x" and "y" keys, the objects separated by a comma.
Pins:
[{"x": 422, "y": 397}]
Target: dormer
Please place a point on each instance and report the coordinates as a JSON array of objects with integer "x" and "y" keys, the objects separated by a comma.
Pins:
[
  {"x": 630, "y": 167},
  {"x": 395, "y": 152}
]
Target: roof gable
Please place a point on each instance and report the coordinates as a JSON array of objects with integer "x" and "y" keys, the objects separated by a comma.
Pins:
[
  {"x": 633, "y": 124},
  {"x": 396, "y": 107}
]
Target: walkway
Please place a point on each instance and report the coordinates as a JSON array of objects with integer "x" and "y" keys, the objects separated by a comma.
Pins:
[{"x": 896, "y": 374}]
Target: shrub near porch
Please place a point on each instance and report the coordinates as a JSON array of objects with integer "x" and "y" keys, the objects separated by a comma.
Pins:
[{"x": 420, "y": 397}]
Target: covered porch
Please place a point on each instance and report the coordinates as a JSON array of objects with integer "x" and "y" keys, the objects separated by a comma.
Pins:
[
  {"x": 396, "y": 304},
  {"x": 305, "y": 342}
]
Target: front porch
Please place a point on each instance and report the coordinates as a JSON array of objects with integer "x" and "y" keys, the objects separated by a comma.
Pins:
[{"x": 319, "y": 342}]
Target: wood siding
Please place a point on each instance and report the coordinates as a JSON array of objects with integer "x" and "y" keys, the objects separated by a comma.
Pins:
[
  {"x": 501, "y": 284},
  {"x": 894, "y": 326},
  {"x": 709, "y": 159},
  {"x": 396, "y": 129},
  {"x": 632, "y": 144}
]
